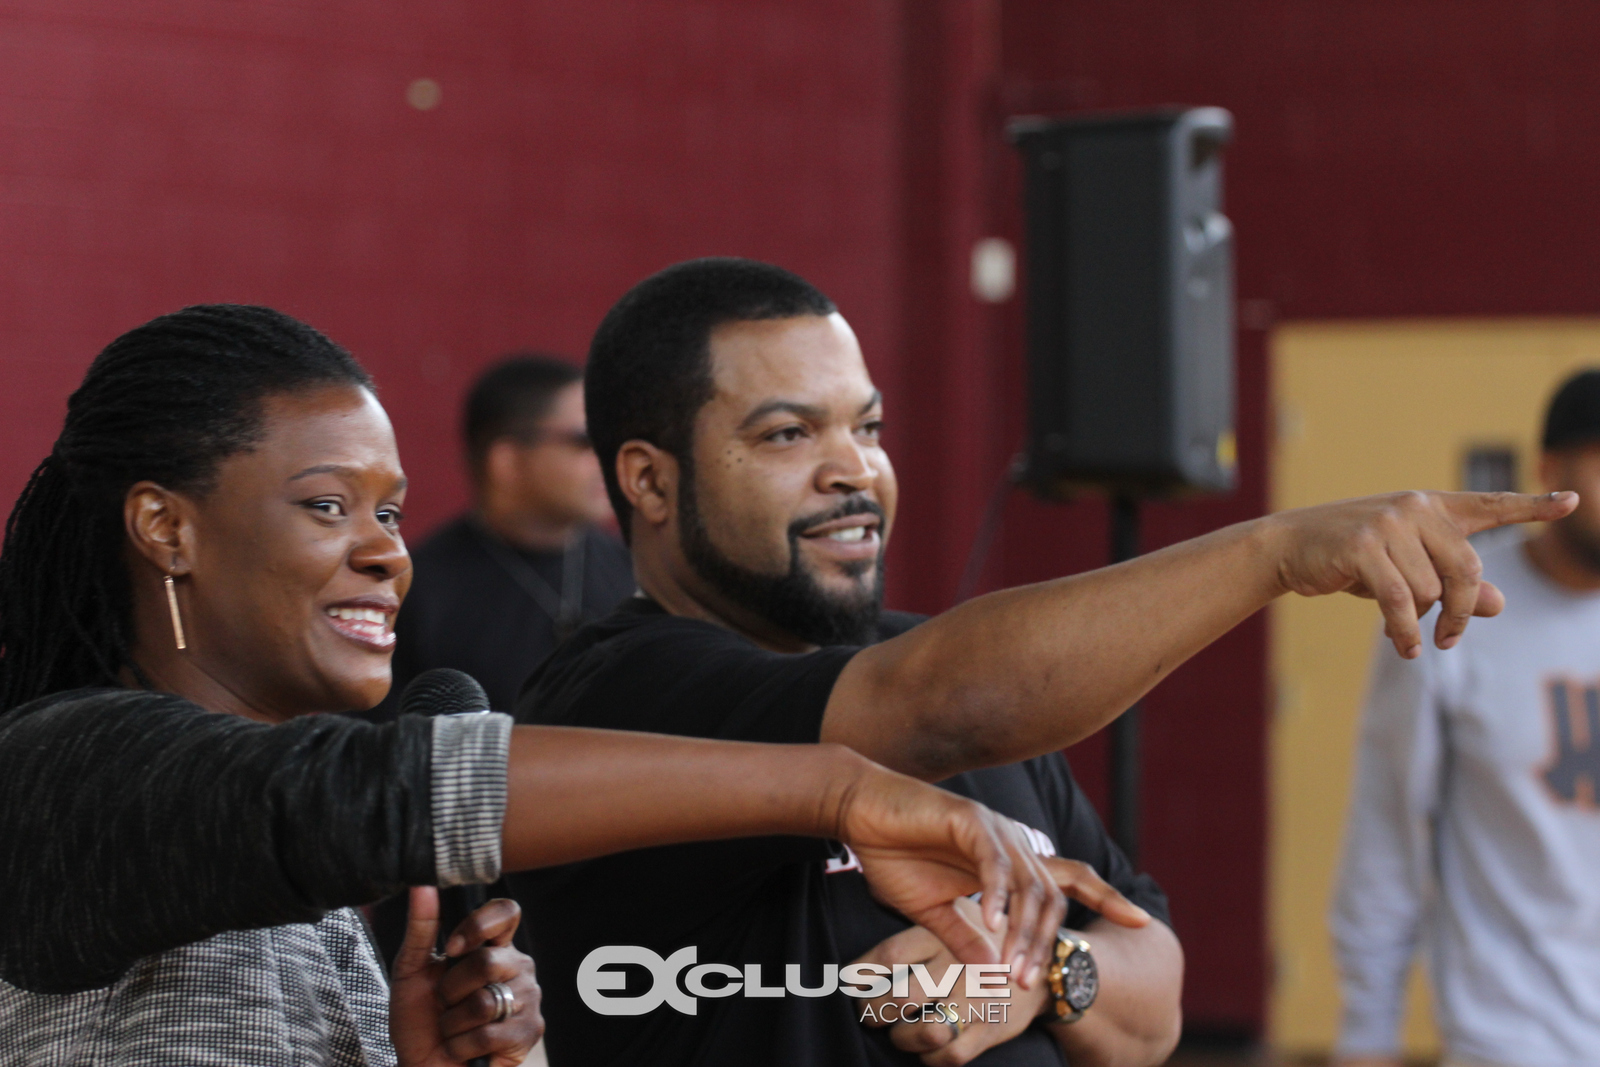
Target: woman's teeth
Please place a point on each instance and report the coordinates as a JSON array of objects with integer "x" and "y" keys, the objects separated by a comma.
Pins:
[
  {"x": 849, "y": 533},
  {"x": 368, "y": 625},
  {"x": 359, "y": 615}
]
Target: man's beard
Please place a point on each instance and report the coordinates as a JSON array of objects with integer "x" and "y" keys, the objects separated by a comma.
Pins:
[
  {"x": 794, "y": 602},
  {"x": 1584, "y": 544}
]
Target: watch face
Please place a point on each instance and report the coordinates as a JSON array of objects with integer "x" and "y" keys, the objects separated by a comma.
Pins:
[{"x": 1080, "y": 980}]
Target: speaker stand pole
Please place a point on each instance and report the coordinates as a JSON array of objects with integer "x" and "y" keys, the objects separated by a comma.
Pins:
[{"x": 1125, "y": 729}]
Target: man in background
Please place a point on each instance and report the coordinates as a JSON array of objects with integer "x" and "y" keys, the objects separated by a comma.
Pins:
[
  {"x": 1474, "y": 829},
  {"x": 498, "y": 588}
]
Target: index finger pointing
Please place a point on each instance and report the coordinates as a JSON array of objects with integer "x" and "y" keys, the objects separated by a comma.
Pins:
[{"x": 1485, "y": 511}]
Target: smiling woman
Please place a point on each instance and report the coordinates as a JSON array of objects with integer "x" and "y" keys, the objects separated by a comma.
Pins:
[
  {"x": 291, "y": 561},
  {"x": 211, "y": 555}
]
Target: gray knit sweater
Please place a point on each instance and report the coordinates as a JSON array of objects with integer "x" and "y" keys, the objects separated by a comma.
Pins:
[{"x": 178, "y": 883}]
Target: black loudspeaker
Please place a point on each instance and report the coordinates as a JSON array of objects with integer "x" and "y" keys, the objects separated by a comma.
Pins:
[{"x": 1130, "y": 303}]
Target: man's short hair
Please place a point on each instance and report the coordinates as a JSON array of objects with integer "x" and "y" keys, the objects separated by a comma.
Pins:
[
  {"x": 1573, "y": 417},
  {"x": 511, "y": 398},
  {"x": 649, "y": 370}
]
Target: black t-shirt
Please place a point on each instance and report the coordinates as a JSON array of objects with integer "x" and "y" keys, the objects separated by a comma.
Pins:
[
  {"x": 771, "y": 901},
  {"x": 475, "y": 605}
]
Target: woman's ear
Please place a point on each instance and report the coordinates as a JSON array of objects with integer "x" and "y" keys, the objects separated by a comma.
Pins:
[
  {"x": 648, "y": 477},
  {"x": 160, "y": 526}
]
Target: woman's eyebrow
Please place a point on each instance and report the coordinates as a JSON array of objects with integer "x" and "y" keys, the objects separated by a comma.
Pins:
[
  {"x": 324, "y": 468},
  {"x": 343, "y": 471}
]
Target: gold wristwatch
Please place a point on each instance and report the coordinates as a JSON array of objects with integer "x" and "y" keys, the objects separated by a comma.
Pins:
[{"x": 1072, "y": 978}]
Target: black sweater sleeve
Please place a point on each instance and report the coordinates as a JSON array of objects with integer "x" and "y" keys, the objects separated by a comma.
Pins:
[{"x": 134, "y": 822}]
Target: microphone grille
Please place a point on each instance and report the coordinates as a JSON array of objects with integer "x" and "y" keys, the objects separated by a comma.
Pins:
[{"x": 443, "y": 691}]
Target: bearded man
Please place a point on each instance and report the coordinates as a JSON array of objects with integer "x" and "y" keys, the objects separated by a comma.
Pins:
[{"x": 739, "y": 432}]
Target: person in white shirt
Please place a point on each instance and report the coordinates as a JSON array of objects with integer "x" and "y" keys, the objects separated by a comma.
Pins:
[{"x": 1474, "y": 832}]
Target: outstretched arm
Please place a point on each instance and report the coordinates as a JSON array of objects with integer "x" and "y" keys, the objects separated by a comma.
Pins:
[
  {"x": 110, "y": 797},
  {"x": 1018, "y": 673},
  {"x": 576, "y": 793}
]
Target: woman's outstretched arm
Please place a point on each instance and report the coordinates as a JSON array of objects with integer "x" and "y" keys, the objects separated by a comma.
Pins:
[
  {"x": 132, "y": 822},
  {"x": 576, "y": 793}
]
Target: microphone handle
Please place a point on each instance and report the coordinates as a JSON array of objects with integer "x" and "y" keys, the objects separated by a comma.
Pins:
[{"x": 476, "y": 897}]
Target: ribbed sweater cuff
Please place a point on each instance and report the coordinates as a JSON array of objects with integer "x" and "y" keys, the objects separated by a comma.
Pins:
[{"x": 469, "y": 796}]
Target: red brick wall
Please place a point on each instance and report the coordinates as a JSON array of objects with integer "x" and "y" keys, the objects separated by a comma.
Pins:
[{"x": 165, "y": 153}]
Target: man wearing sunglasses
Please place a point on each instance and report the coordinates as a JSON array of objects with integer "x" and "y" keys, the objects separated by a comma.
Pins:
[{"x": 498, "y": 588}]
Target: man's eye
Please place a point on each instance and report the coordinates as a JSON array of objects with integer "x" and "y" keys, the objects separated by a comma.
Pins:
[
  {"x": 390, "y": 516},
  {"x": 872, "y": 429},
  {"x": 787, "y": 435},
  {"x": 330, "y": 508}
]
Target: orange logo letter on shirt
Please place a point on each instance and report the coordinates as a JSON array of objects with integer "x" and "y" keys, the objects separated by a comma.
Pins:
[{"x": 1575, "y": 769}]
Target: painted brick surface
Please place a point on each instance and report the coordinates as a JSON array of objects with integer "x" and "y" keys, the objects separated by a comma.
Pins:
[{"x": 168, "y": 153}]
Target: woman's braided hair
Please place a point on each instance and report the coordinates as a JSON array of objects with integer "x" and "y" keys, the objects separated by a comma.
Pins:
[{"x": 165, "y": 402}]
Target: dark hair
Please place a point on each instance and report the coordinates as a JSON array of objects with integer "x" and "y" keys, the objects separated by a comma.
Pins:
[
  {"x": 510, "y": 398},
  {"x": 649, "y": 370},
  {"x": 1573, "y": 417},
  {"x": 166, "y": 402}
]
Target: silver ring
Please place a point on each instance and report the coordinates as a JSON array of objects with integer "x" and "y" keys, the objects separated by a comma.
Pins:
[{"x": 504, "y": 1002}]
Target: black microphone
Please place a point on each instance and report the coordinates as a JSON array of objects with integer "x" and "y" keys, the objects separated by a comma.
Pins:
[
  {"x": 443, "y": 691},
  {"x": 447, "y": 691}
]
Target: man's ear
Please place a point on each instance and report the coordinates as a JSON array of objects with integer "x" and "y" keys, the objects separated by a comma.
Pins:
[
  {"x": 501, "y": 460},
  {"x": 159, "y": 524},
  {"x": 648, "y": 477}
]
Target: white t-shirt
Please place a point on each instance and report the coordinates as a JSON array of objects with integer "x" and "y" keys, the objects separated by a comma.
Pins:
[{"x": 1474, "y": 833}]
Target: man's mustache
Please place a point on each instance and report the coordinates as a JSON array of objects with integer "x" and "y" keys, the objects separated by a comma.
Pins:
[{"x": 855, "y": 505}]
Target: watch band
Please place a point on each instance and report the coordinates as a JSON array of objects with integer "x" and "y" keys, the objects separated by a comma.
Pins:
[{"x": 1072, "y": 979}]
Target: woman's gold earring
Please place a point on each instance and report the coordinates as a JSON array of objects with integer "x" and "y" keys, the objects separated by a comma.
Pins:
[{"x": 177, "y": 619}]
